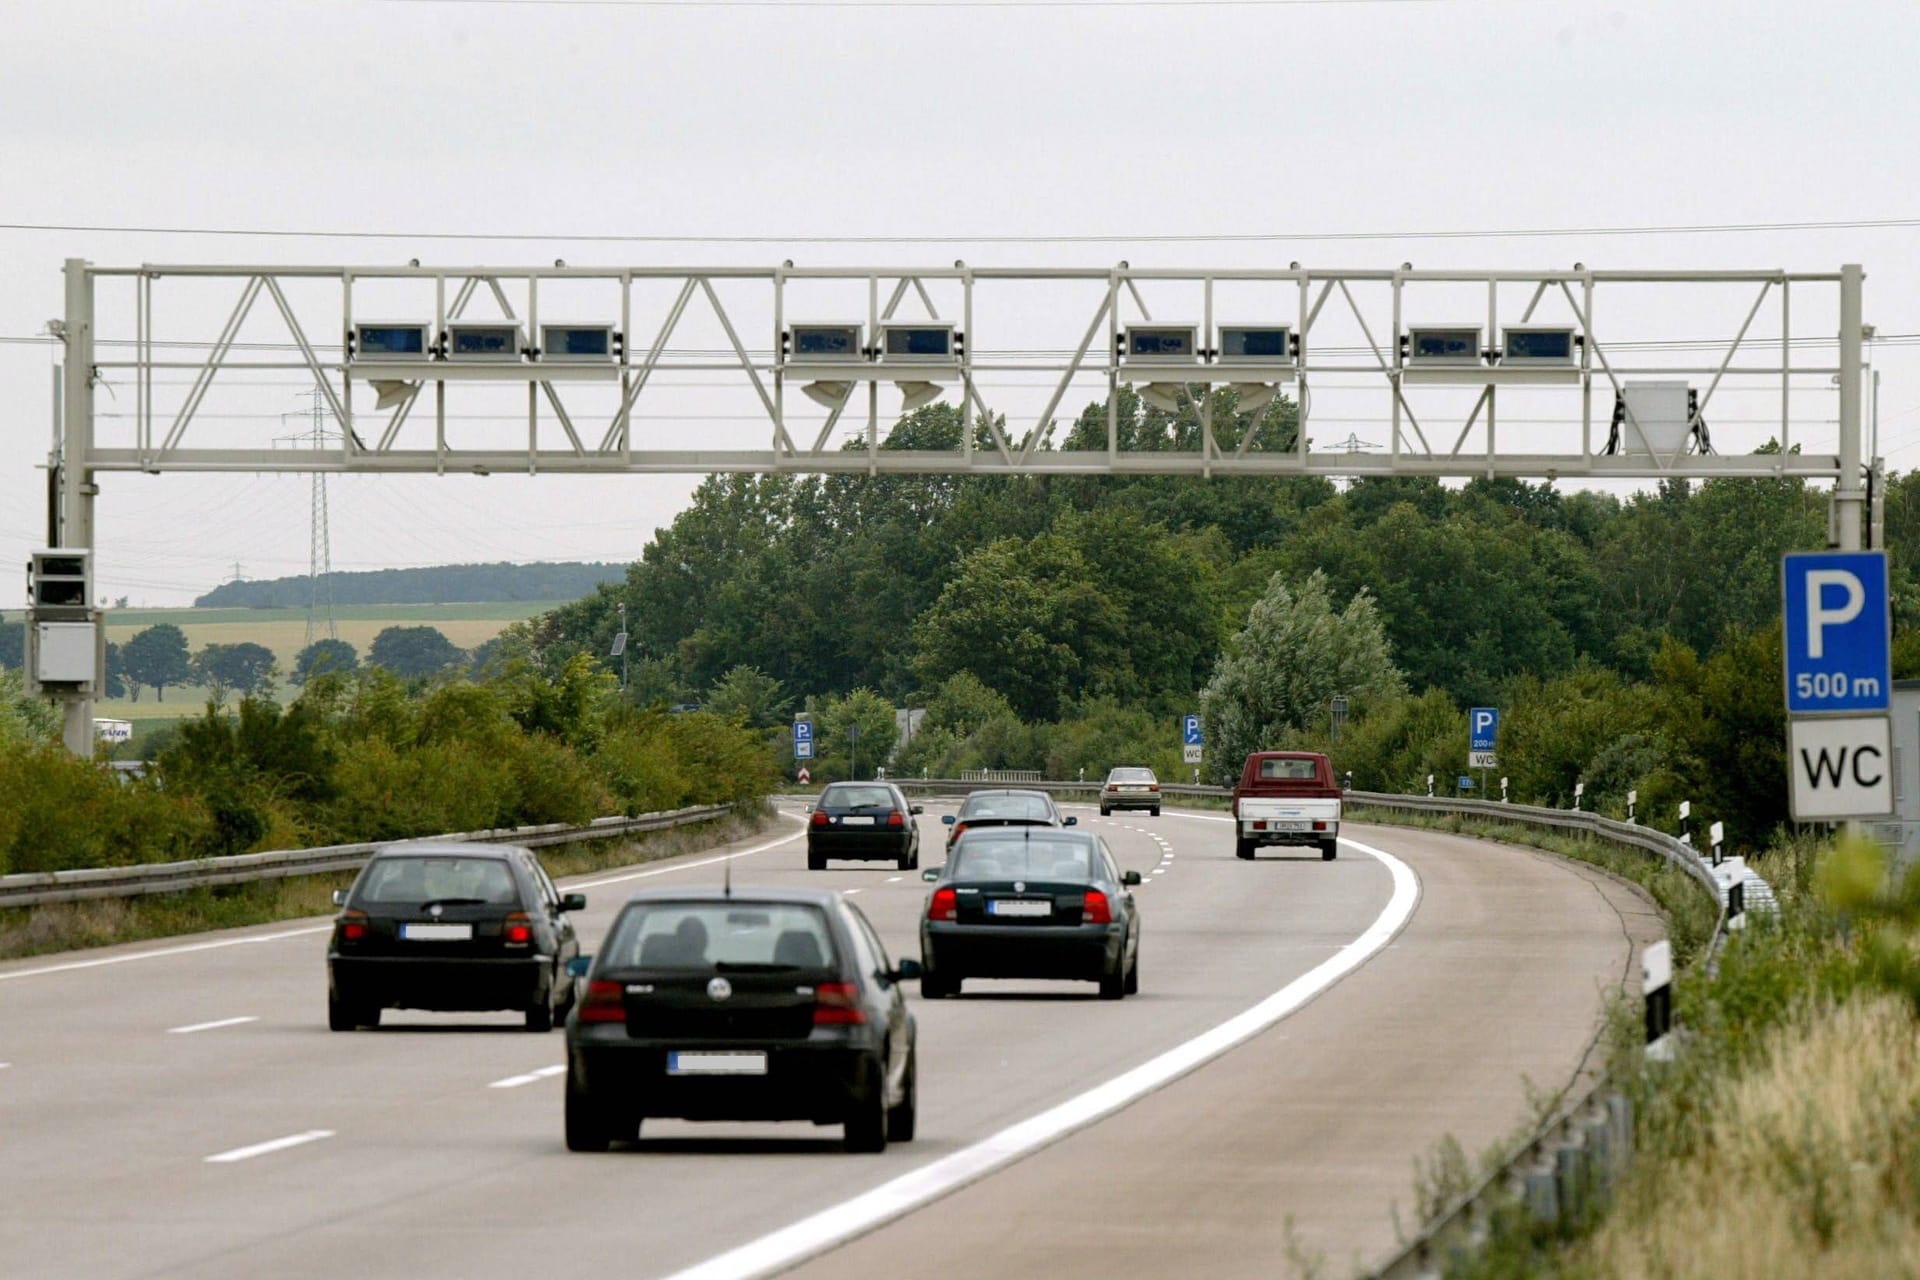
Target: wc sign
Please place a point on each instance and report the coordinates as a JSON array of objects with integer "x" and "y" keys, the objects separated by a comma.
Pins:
[{"x": 1838, "y": 673}]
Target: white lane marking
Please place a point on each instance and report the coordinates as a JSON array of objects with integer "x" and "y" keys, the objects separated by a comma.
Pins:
[
  {"x": 542, "y": 1073},
  {"x": 5, "y": 1065},
  {"x": 831, "y": 1227},
  {"x": 310, "y": 930},
  {"x": 704, "y": 862},
  {"x": 210, "y": 1026},
  {"x": 266, "y": 1148},
  {"x": 849, "y": 892},
  {"x": 891, "y": 879},
  {"x": 166, "y": 951}
]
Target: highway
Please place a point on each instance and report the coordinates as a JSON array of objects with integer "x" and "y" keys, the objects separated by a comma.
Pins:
[{"x": 179, "y": 1109}]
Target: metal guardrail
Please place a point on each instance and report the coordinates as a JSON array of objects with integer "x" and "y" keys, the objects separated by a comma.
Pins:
[
  {"x": 38, "y": 888},
  {"x": 1575, "y": 1155}
]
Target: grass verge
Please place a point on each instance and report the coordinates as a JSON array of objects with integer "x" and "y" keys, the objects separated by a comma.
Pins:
[{"x": 102, "y": 922}]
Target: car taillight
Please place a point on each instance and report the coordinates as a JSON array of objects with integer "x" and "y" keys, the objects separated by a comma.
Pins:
[
  {"x": 1094, "y": 908},
  {"x": 519, "y": 930},
  {"x": 353, "y": 926},
  {"x": 837, "y": 1004},
  {"x": 1154, "y": 787},
  {"x": 944, "y": 906},
  {"x": 819, "y": 819},
  {"x": 959, "y": 829},
  {"x": 896, "y": 819},
  {"x": 1319, "y": 826},
  {"x": 604, "y": 1002}
]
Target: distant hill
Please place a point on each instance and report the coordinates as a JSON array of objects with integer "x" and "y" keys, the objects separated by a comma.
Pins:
[{"x": 439, "y": 584}]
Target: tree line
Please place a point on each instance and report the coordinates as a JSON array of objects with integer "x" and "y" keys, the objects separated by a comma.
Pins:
[
  {"x": 435, "y": 584},
  {"x": 1066, "y": 622}
]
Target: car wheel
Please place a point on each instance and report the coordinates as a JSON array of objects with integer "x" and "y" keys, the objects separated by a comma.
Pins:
[
  {"x": 908, "y": 862},
  {"x": 900, "y": 1119},
  {"x": 867, "y": 1125},
  {"x": 586, "y": 1128},
  {"x": 1243, "y": 849},
  {"x": 1103, "y": 811},
  {"x": 816, "y": 862},
  {"x": 937, "y": 987},
  {"x": 342, "y": 1016},
  {"x": 540, "y": 1016},
  {"x": 1133, "y": 976},
  {"x": 1329, "y": 850},
  {"x": 1155, "y": 811},
  {"x": 1114, "y": 985}
]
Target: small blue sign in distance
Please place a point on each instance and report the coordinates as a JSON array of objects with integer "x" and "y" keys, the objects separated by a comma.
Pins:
[
  {"x": 1190, "y": 732},
  {"x": 1839, "y": 638},
  {"x": 1483, "y": 726}
]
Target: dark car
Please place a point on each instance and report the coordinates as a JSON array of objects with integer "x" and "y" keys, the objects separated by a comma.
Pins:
[
  {"x": 863, "y": 821},
  {"x": 1030, "y": 903},
  {"x": 1005, "y": 808},
  {"x": 451, "y": 928},
  {"x": 757, "y": 1004}
]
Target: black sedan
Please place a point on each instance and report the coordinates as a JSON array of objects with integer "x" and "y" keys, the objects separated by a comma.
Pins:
[
  {"x": 1030, "y": 903},
  {"x": 863, "y": 821},
  {"x": 1005, "y": 808},
  {"x": 758, "y": 1004},
  {"x": 453, "y": 928}
]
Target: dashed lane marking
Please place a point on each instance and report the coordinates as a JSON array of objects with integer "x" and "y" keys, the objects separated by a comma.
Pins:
[
  {"x": 542, "y": 1073},
  {"x": 215, "y": 1025},
  {"x": 267, "y": 1148}
]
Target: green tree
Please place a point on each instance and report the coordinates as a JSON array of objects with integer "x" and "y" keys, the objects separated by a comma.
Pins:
[
  {"x": 323, "y": 656},
  {"x": 853, "y": 735},
  {"x": 747, "y": 696},
  {"x": 245, "y": 666},
  {"x": 412, "y": 652},
  {"x": 1283, "y": 668},
  {"x": 158, "y": 657}
]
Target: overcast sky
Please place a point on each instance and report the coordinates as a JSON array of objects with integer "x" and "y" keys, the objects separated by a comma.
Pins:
[{"x": 980, "y": 120}]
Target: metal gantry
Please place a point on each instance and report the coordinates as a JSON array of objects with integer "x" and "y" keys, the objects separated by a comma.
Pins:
[{"x": 1019, "y": 343}]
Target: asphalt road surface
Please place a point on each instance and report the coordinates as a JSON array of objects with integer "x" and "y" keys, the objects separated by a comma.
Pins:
[{"x": 1304, "y": 1031}]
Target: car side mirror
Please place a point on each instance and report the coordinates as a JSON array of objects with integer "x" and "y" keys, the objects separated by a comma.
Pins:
[
  {"x": 916, "y": 809},
  {"x": 573, "y": 902},
  {"x": 339, "y": 897},
  {"x": 1130, "y": 878},
  {"x": 1071, "y": 822},
  {"x": 578, "y": 966},
  {"x": 949, "y": 818},
  {"x": 931, "y": 874},
  {"x": 907, "y": 972}
]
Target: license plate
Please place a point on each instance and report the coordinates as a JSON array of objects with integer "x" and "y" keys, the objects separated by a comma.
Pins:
[
  {"x": 437, "y": 932},
  {"x": 856, "y": 822},
  {"x": 1290, "y": 826},
  {"x": 1011, "y": 907},
  {"x": 716, "y": 1064}
]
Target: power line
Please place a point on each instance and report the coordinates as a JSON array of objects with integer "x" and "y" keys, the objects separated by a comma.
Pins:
[{"x": 1260, "y": 237}]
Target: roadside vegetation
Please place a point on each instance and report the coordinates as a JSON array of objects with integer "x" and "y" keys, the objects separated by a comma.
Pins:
[{"x": 368, "y": 756}]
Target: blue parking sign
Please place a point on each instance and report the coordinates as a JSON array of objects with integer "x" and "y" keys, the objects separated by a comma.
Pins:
[
  {"x": 1190, "y": 732},
  {"x": 803, "y": 739},
  {"x": 1839, "y": 638}
]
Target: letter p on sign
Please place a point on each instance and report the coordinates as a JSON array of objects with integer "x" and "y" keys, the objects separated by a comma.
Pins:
[{"x": 1819, "y": 617}]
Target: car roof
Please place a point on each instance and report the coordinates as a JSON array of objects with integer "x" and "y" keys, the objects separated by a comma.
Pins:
[
  {"x": 748, "y": 895},
  {"x": 981, "y": 835},
  {"x": 1009, "y": 791},
  {"x": 448, "y": 848}
]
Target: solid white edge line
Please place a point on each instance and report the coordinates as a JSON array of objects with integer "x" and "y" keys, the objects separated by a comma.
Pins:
[
  {"x": 265, "y": 1148},
  {"x": 190, "y": 1028},
  {"x": 310, "y": 930},
  {"x": 829, "y": 1228},
  {"x": 539, "y": 1073}
]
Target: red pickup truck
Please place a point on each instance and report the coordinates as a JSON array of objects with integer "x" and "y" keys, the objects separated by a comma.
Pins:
[{"x": 1287, "y": 797}]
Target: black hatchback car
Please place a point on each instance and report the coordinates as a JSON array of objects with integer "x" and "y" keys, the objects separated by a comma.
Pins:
[
  {"x": 754, "y": 1004},
  {"x": 863, "y": 821},
  {"x": 1030, "y": 903},
  {"x": 1004, "y": 808},
  {"x": 452, "y": 928}
]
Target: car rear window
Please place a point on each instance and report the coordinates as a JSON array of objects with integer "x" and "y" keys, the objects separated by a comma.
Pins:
[
  {"x": 856, "y": 798},
  {"x": 1024, "y": 808},
  {"x": 1289, "y": 770},
  {"x": 427, "y": 878},
  {"x": 1130, "y": 775},
  {"x": 703, "y": 935},
  {"x": 987, "y": 858}
]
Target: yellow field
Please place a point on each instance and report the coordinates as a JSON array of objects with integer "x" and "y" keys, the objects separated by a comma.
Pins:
[{"x": 285, "y": 632}]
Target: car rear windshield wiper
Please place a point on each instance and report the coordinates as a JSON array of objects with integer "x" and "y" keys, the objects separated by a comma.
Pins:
[{"x": 452, "y": 902}]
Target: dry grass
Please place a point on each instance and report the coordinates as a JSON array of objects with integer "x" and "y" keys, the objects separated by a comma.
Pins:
[
  {"x": 70, "y": 926},
  {"x": 1810, "y": 1165}
]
